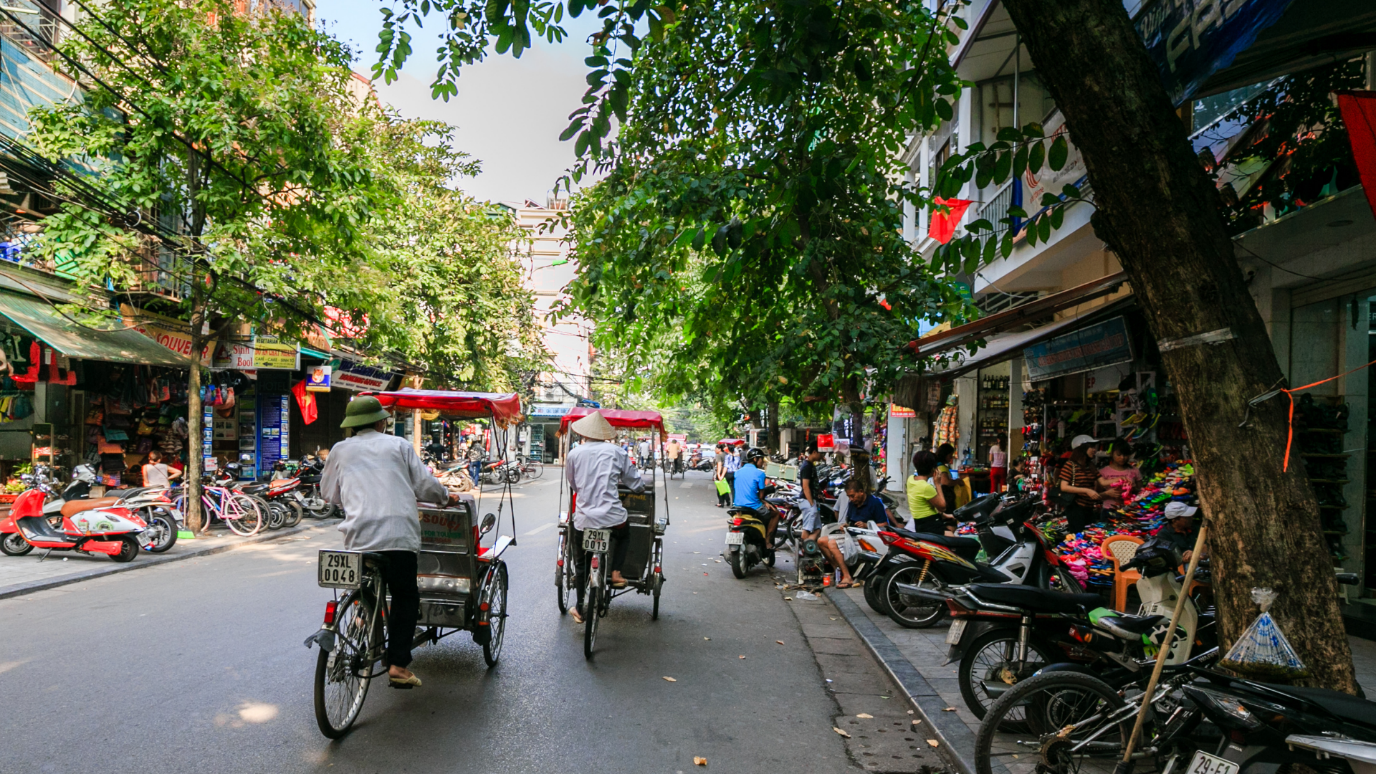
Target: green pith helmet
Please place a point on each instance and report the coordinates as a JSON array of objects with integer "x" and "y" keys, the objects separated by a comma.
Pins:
[{"x": 363, "y": 411}]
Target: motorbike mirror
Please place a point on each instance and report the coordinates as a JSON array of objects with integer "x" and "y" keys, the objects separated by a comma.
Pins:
[{"x": 489, "y": 521}]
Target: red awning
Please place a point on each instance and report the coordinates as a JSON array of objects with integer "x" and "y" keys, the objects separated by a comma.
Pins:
[
  {"x": 638, "y": 420},
  {"x": 503, "y": 408},
  {"x": 936, "y": 343},
  {"x": 732, "y": 441}
]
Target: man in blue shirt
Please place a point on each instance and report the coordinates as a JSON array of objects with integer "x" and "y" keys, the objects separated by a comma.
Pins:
[
  {"x": 749, "y": 491},
  {"x": 864, "y": 506}
]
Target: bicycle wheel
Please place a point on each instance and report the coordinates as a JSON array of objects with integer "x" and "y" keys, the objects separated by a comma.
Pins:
[
  {"x": 990, "y": 667},
  {"x": 1056, "y": 723},
  {"x": 242, "y": 515},
  {"x": 534, "y": 469},
  {"x": 563, "y": 581},
  {"x": 342, "y": 676},
  {"x": 496, "y": 617},
  {"x": 592, "y": 605}
]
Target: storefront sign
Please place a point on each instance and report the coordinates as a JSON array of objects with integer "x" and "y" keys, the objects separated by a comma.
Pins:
[
  {"x": 1089, "y": 348},
  {"x": 274, "y": 412},
  {"x": 1049, "y": 181},
  {"x": 359, "y": 378},
  {"x": 318, "y": 378},
  {"x": 901, "y": 412},
  {"x": 171, "y": 333},
  {"x": 537, "y": 410},
  {"x": 1190, "y": 40},
  {"x": 263, "y": 353}
]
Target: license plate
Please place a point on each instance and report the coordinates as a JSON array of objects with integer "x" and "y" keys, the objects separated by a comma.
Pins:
[
  {"x": 735, "y": 538},
  {"x": 340, "y": 569},
  {"x": 1204, "y": 763},
  {"x": 957, "y": 629},
  {"x": 596, "y": 540}
]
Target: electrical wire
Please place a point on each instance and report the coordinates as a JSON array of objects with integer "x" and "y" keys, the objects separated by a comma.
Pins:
[{"x": 1249, "y": 251}]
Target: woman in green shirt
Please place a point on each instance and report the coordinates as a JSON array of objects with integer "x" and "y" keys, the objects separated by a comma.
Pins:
[{"x": 925, "y": 501}]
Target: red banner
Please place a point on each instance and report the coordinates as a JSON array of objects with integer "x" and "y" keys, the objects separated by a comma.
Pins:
[{"x": 1359, "y": 114}]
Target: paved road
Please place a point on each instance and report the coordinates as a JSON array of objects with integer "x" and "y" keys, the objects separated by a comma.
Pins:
[{"x": 198, "y": 666}]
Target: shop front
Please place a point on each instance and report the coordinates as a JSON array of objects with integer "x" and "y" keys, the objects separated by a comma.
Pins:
[{"x": 538, "y": 437}]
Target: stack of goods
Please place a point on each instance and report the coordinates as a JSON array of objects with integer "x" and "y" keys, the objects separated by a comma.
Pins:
[
  {"x": 946, "y": 429},
  {"x": 144, "y": 410},
  {"x": 1141, "y": 518}
]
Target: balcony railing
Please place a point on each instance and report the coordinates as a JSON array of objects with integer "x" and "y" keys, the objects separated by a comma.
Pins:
[
  {"x": 34, "y": 26},
  {"x": 996, "y": 208}
]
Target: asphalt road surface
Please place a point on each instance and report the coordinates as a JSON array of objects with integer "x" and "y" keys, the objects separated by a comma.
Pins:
[{"x": 198, "y": 666}]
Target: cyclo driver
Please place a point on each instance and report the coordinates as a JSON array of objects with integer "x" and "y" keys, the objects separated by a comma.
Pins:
[
  {"x": 594, "y": 469},
  {"x": 378, "y": 478},
  {"x": 750, "y": 485}
]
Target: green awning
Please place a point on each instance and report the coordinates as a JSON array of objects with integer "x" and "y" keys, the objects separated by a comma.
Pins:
[{"x": 112, "y": 343}]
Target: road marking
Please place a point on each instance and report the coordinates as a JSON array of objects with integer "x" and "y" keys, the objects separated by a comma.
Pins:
[{"x": 538, "y": 530}]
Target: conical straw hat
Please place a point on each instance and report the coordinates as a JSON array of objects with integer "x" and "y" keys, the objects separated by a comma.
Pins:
[{"x": 594, "y": 426}]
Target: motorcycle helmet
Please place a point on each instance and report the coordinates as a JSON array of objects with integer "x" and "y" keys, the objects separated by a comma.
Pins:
[{"x": 754, "y": 455}]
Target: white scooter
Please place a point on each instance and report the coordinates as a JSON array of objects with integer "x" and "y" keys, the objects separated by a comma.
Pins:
[{"x": 152, "y": 504}]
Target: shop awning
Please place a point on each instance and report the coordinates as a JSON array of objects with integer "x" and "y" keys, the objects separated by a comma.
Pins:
[
  {"x": 113, "y": 343},
  {"x": 622, "y": 418},
  {"x": 1006, "y": 346},
  {"x": 983, "y": 328},
  {"x": 503, "y": 408}
]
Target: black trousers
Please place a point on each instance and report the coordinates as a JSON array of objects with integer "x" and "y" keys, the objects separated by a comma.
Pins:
[
  {"x": 731, "y": 482},
  {"x": 400, "y": 576},
  {"x": 1080, "y": 516},
  {"x": 620, "y": 542}
]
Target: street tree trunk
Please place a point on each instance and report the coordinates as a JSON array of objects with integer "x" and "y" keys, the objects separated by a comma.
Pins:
[
  {"x": 1159, "y": 212},
  {"x": 194, "y": 464}
]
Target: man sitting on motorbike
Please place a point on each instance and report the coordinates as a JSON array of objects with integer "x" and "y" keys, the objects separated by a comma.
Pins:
[
  {"x": 864, "y": 507},
  {"x": 594, "y": 470},
  {"x": 750, "y": 481},
  {"x": 810, "y": 521}
]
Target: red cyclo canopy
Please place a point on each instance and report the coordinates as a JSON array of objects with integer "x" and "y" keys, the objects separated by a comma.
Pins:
[
  {"x": 504, "y": 408},
  {"x": 732, "y": 441},
  {"x": 644, "y": 420}
]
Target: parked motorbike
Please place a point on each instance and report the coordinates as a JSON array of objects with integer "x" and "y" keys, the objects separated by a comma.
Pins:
[
  {"x": 747, "y": 541},
  {"x": 152, "y": 504},
  {"x": 309, "y": 473},
  {"x": 111, "y": 530}
]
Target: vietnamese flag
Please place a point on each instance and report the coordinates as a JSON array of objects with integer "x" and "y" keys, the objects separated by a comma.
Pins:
[
  {"x": 306, "y": 400},
  {"x": 1359, "y": 113},
  {"x": 942, "y": 227}
]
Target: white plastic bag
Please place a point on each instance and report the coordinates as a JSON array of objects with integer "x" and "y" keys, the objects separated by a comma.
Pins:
[{"x": 1262, "y": 652}]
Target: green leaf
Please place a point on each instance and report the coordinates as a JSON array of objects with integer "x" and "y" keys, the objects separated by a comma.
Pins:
[
  {"x": 1006, "y": 244},
  {"x": 1060, "y": 151},
  {"x": 1008, "y": 134},
  {"x": 1057, "y": 217},
  {"x": 1070, "y": 192},
  {"x": 1035, "y": 157},
  {"x": 1017, "y": 212},
  {"x": 1033, "y": 131},
  {"x": 980, "y": 225},
  {"x": 943, "y": 109},
  {"x": 990, "y": 245},
  {"x": 1044, "y": 226},
  {"x": 1002, "y": 166},
  {"x": 1020, "y": 161},
  {"x": 699, "y": 239},
  {"x": 571, "y": 131}
]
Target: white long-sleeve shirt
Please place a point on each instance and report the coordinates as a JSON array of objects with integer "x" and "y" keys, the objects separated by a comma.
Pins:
[
  {"x": 378, "y": 478},
  {"x": 594, "y": 470}
]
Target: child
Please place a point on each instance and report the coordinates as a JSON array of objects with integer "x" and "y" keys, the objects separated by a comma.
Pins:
[{"x": 1119, "y": 478}]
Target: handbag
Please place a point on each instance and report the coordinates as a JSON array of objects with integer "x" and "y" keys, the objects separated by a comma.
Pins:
[
  {"x": 1065, "y": 499},
  {"x": 723, "y": 487}
]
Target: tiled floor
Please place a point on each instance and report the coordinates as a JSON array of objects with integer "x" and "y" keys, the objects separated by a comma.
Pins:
[{"x": 926, "y": 650}]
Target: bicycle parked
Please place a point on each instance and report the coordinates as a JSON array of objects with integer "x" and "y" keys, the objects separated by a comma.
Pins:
[{"x": 238, "y": 511}]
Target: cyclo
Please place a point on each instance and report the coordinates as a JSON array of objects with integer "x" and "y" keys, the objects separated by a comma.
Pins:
[
  {"x": 644, "y": 565},
  {"x": 462, "y": 583}
]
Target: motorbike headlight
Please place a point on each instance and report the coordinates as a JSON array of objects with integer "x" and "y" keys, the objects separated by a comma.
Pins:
[{"x": 1223, "y": 706}]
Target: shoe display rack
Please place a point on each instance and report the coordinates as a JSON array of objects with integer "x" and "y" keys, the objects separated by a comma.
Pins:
[{"x": 1319, "y": 429}]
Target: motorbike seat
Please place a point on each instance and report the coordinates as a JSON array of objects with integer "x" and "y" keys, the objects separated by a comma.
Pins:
[
  {"x": 253, "y": 489},
  {"x": 310, "y": 479},
  {"x": 279, "y": 482},
  {"x": 37, "y": 527},
  {"x": 73, "y": 507},
  {"x": 965, "y": 548},
  {"x": 1343, "y": 705},
  {"x": 1034, "y": 599}
]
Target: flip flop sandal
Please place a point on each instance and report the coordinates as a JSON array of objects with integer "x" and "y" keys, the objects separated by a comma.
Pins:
[
  {"x": 620, "y": 585},
  {"x": 403, "y": 683}
]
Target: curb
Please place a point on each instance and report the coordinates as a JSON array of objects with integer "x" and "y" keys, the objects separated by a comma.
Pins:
[
  {"x": 20, "y": 589},
  {"x": 957, "y": 740}
]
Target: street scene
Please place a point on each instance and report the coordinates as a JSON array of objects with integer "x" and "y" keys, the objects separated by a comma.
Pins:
[{"x": 958, "y": 386}]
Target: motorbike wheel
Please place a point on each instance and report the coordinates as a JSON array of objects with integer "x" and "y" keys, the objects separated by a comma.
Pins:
[
  {"x": 991, "y": 658},
  {"x": 317, "y": 508},
  {"x": 163, "y": 527},
  {"x": 294, "y": 514},
  {"x": 277, "y": 515},
  {"x": 128, "y": 549},
  {"x": 909, "y": 616},
  {"x": 512, "y": 474},
  {"x": 1059, "y": 579},
  {"x": 14, "y": 544},
  {"x": 738, "y": 565},
  {"x": 872, "y": 597}
]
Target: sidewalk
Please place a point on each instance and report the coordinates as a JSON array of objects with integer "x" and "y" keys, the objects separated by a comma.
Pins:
[
  {"x": 31, "y": 572},
  {"x": 915, "y": 659}
]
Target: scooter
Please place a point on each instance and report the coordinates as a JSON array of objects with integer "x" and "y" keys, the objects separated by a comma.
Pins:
[
  {"x": 747, "y": 541},
  {"x": 111, "y": 530},
  {"x": 152, "y": 504}
]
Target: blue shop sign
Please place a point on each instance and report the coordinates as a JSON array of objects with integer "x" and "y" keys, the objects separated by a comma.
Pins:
[
  {"x": 1190, "y": 40},
  {"x": 1096, "y": 346}
]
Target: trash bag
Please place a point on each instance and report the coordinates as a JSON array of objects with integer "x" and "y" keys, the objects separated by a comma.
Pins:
[{"x": 1262, "y": 652}]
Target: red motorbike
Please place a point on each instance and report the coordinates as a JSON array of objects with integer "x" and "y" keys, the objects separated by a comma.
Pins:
[{"x": 116, "y": 532}]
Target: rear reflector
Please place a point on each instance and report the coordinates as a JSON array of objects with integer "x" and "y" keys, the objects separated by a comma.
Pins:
[{"x": 330, "y": 608}]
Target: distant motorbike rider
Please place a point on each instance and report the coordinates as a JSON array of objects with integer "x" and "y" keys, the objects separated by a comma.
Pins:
[{"x": 750, "y": 481}]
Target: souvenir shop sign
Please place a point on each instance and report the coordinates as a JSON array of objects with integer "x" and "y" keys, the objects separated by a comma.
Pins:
[
  {"x": 901, "y": 412},
  {"x": 262, "y": 353},
  {"x": 171, "y": 333},
  {"x": 360, "y": 378},
  {"x": 1089, "y": 348}
]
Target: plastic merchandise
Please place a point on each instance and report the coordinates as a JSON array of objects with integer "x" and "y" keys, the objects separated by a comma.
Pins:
[{"x": 1262, "y": 652}]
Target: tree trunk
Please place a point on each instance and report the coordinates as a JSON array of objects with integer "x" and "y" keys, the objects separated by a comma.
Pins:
[
  {"x": 773, "y": 408},
  {"x": 194, "y": 463},
  {"x": 1159, "y": 212}
]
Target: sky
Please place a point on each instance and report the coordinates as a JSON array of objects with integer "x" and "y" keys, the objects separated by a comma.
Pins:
[{"x": 508, "y": 112}]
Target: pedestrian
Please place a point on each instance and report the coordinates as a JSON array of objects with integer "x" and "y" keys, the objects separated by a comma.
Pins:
[
  {"x": 156, "y": 473},
  {"x": 998, "y": 466},
  {"x": 378, "y": 478},
  {"x": 1079, "y": 476},
  {"x": 926, "y": 505},
  {"x": 719, "y": 474},
  {"x": 1118, "y": 478},
  {"x": 943, "y": 480},
  {"x": 475, "y": 462},
  {"x": 810, "y": 519},
  {"x": 733, "y": 464}
]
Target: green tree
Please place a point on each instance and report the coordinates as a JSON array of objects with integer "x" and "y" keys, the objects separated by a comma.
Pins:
[{"x": 239, "y": 132}]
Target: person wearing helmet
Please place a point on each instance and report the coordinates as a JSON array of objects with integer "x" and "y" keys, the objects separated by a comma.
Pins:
[
  {"x": 377, "y": 477},
  {"x": 750, "y": 485}
]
